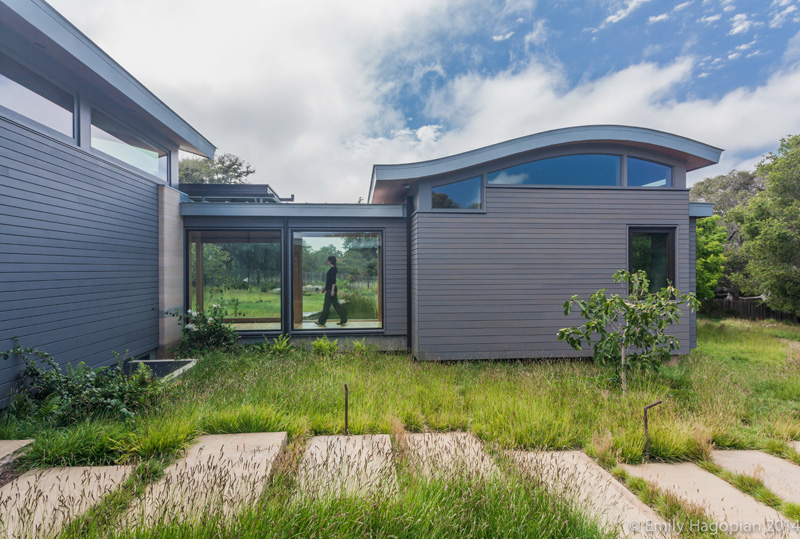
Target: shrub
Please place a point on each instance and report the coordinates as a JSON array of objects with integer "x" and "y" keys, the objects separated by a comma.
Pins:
[
  {"x": 205, "y": 331},
  {"x": 279, "y": 347},
  {"x": 360, "y": 348},
  {"x": 65, "y": 397},
  {"x": 324, "y": 347}
]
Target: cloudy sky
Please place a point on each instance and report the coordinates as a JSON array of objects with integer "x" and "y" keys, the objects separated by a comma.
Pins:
[{"x": 314, "y": 93}]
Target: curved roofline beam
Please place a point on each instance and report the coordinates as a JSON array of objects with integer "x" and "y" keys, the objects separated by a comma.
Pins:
[{"x": 696, "y": 154}]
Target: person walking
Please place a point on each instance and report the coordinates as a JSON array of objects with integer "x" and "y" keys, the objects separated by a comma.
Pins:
[{"x": 331, "y": 294}]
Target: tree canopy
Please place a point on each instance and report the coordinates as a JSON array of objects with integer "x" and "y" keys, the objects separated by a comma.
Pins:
[
  {"x": 711, "y": 236},
  {"x": 225, "y": 168},
  {"x": 770, "y": 227}
]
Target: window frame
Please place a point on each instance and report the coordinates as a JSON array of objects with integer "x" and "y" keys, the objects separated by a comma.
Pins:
[
  {"x": 119, "y": 162},
  {"x": 672, "y": 267},
  {"x": 188, "y": 276},
  {"x": 671, "y": 168},
  {"x": 30, "y": 123},
  {"x": 482, "y": 209},
  {"x": 292, "y": 231}
]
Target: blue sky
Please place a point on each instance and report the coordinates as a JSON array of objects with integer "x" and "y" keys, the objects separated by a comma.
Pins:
[{"x": 314, "y": 93}]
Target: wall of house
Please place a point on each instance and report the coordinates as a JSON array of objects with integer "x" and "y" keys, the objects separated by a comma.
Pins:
[
  {"x": 79, "y": 253},
  {"x": 692, "y": 279},
  {"x": 394, "y": 245},
  {"x": 492, "y": 285}
]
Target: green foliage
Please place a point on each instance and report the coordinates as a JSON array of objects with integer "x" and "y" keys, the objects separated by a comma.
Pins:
[
  {"x": 203, "y": 332},
  {"x": 360, "y": 348},
  {"x": 225, "y": 168},
  {"x": 630, "y": 330},
  {"x": 325, "y": 348},
  {"x": 771, "y": 228},
  {"x": 360, "y": 304},
  {"x": 727, "y": 191},
  {"x": 55, "y": 397},
  {"x": 711, "y": 236},
  {"x": 279, "y": 347}
]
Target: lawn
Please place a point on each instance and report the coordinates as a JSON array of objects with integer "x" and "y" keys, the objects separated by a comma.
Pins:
[{"x": 739, "y": 389}]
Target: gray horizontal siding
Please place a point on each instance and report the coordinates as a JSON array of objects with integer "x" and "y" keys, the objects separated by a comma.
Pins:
[
  {"x": 693, "y": 278},
  {"x": 78, "y": 254},
  {"x": 493, "y": 285}
]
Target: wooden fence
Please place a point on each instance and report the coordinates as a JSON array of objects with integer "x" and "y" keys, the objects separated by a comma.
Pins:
[{"x": 754, "y": 309}]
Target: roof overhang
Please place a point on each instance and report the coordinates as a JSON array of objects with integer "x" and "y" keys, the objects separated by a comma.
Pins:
[
  {"x": 215, "y": 209},
  {"x": 389, "y": 181},
  {"x": 40, "y": 24},
  {"x": 701, "y": 209}
]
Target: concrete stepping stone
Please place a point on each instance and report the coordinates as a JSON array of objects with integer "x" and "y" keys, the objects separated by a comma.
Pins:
[
  {"x": 8, "y": 448},
  {"x": 347, "y": 465},
  {"x": 575, "y": 476},
  {"x": 726, "y": 505},
  {"x": 779, "y": 475},
  {"x": 219, "y": 474},
  {"x": 446, "y": 454},
  {"x": 39, "y": 503}
]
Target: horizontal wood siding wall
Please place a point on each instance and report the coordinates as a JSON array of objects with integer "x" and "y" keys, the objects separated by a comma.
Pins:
[
  {"x": 493, "y": 285},
  {"x": 693, "y": 279},
  {"x": 414, "y": 288},
  {"x": 394, "y": 238},
  {"x": 78, "y": 254}
]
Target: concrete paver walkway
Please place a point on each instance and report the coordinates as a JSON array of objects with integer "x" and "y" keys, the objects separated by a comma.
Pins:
[
  {"x": 576, "y": 476},
  {"x": 40, "y": 502},
  {"x": 347, "y": 465},
  {"x": 778, "y": 475},
  {"x": 443, "y": 454},
  {"x": 9, "y": 447},
  {"x": 220, "y": 474},
  {"x": 726, "y": 505}
]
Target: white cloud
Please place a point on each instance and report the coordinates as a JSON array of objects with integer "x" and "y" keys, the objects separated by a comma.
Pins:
[
  {"x": 502, "y": 37},
  {"x": 538, "y": 36},
  {"x": 745, "y": 46},
  {"x": 792, "y": 53},
  {"x": 780, "y": 17},
  {"x": 729, "y": 8},
  {"x": 734, "y": 55},
  {"x": 682, "y": 6},
  {"x": 658, "y": 18},
  {"x": 740, "y": 24},
  {"x": 628, "y": 7},
  {"x": 711, "y": 18}
]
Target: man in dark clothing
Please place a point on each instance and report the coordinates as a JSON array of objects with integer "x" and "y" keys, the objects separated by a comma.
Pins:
[{"x": 331, "y": 296}]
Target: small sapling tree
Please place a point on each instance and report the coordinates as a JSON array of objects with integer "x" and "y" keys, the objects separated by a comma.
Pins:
[{"x": 630, "y": 330}]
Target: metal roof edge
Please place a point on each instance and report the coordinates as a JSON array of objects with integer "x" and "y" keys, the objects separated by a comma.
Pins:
[
  {"x": 233, "y": 209},
  {"x": 567, "y": 135},
  {"x": 56, "y": 27},
  {"x": 701, "y": 209}
]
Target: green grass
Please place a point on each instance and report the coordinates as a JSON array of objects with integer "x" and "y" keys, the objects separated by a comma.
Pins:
[{"x": 714, "y": 396}]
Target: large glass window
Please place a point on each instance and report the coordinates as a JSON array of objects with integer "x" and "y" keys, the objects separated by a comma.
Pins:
[
  {"x": 653, "y": 251},
  {"x": 463, "y": 195},
  {"x": 241, "y": 271},
  {"x": 26, "y": 93},
  {"x": 584, "y": 170},
  {"x": 117, "y": 141},
  {"x": 643, "y": 173},
  {"x": 356, "y": 302}
]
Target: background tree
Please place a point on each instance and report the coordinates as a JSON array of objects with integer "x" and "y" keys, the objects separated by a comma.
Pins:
[
  {"x": 727, "y": 192},
  {"x": 770, "y": 227},
  {"x": 711, "y": 237},
  {"x": 225, "y": 168}
]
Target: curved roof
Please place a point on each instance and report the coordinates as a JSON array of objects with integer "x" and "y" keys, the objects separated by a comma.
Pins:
[{"x": 694, "y": 153}]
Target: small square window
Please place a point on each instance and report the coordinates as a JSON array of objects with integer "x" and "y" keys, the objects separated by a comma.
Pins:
[{"x": 462, "y": 195}]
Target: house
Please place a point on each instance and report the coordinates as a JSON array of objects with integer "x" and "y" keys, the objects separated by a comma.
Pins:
[
  {"x": 465, "y": 257},
  {"x": 89, "y": 221}
]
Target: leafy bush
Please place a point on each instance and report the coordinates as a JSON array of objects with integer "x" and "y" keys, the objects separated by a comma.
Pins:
[
  {"x": 360, "y": 304},
  {"x": 279, "y": 347},
  {"x": 205, "y": 331},
  {"x": 324, "y": 347},
  {"x": 65, "y": 397}
]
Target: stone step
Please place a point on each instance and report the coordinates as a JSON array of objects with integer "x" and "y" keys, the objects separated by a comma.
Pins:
[
  {"x": 40, "y": 502},
  {"x": 446, "y": 454},
  {"x": 347, "y": 465},
  {"x": 8, "y": 448},
  {"x": 778, "y": 475},
  {"x": 575, "y": 476},
  {"x": 795, "y": 446},
  {"x": 220, "y": 474},
  {"x": 730, "y": 508}
]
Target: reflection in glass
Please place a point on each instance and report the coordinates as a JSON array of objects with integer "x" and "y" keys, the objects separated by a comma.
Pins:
[
  {"x": 241, "y": 271},
  {"x": 652, "y": 253},
  {"x": 586, "y": 170},
  {"x": 643, "y": 173},
  {"x": 28, "y": 94},
  {"x": 465, "y": 194},
  {"x": 111, "y": 138},
  {"x": 359, "y": 261}
]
